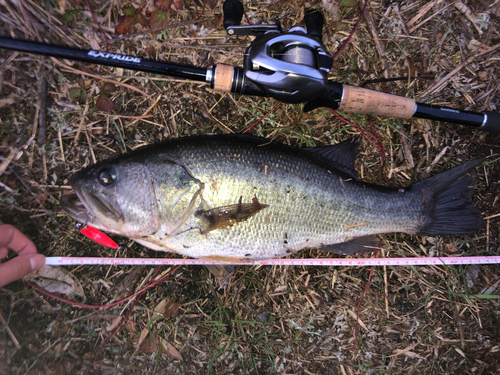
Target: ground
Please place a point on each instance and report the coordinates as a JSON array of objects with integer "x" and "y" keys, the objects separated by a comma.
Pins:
[{"x": 285, "y": 320}]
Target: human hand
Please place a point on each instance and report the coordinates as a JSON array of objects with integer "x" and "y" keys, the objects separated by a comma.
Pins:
[{"x": 27, "y": 260}]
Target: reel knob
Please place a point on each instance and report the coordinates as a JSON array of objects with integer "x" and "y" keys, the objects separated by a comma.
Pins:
[
  {"x": 314, "y": 23},
  {"x": 233, "y": 13}
]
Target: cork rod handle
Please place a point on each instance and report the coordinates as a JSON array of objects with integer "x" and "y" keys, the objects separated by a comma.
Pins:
[
  {"x": 223, "y": 80},
  {"x": 360, "y": 100}
]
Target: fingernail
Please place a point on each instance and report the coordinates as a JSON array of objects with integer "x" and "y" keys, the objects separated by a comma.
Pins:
[{"x": 36, "y": 261}]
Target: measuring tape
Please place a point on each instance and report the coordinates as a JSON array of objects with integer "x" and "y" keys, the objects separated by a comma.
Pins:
[
  {"x": 101, "y": 238},
  {"x": 452, "y": 261}
]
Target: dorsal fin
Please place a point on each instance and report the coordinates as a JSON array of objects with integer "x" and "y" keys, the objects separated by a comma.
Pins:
[{"x": 341, "y": 156}]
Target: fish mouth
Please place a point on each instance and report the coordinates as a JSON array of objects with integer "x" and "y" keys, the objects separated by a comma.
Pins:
[
  {"x": 74, "y": 207},
  {"x": 86, "y": 207}
]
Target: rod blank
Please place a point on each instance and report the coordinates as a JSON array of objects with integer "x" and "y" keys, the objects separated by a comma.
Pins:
[{"x": 105, "y": 58}]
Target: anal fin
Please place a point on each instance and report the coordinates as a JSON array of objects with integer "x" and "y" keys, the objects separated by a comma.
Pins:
[{"x": 360, "y": 245}]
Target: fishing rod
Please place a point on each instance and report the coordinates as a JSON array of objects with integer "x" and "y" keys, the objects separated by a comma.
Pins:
[{"x": 291, "y": 66}]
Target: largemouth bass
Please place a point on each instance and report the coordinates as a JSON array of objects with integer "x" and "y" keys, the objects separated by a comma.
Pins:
[{"x": 234, "y": 197}]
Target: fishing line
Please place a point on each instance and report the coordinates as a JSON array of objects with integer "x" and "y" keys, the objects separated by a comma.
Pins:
[{"x": 327, "y": 262}]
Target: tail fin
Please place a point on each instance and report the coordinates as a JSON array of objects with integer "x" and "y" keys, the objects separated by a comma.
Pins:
[{"x": 449, "y": 208}]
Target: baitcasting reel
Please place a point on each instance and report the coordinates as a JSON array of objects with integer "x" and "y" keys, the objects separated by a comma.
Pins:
[{"x": 290, "y": 66}]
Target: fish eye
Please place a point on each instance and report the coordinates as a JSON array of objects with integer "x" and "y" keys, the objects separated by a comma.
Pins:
[{"x": 106, "y": 177}]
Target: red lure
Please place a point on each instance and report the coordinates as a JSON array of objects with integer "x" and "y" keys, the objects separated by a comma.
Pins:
[{"x": 97, "y": 236}]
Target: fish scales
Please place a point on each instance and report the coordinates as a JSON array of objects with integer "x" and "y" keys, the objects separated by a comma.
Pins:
[{"x": 310, "y": 204}]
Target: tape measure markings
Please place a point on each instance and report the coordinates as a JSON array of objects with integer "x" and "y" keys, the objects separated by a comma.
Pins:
[{"x": 68, "y": 261}]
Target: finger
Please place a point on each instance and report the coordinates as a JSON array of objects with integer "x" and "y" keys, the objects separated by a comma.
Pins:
[
  {"x": 3, "y": 252},
  {"x": 14, "y": 239},
  {"x": 19, "y": 267}
]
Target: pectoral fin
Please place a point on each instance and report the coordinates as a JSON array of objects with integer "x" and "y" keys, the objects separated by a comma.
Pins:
[
  {"x": 358, "y": 245},
  {"x": 176, "y": 192},
  {"x": 225, "y": 216}
]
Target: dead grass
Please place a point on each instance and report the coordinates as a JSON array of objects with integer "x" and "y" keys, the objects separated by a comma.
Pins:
[{"x": 286, "y": 320}]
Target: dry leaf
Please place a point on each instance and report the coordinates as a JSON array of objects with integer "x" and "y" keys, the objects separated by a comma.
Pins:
[
  {"x": 450, "y": 247},
  {"x": 331, "y": 8},
  {"x": 164, "y": 5},
  {"x": 159, "y": 19},
  {"x": 143, "y": 335},
  {"x": 168, "y": 349},
  {"x": 104, "y": 103},
  {"x": 168, "y": 309},
  {"x": 94, "y": 44},
  {"x": 150, "y": 345},
  {"x": 57, "y": 280},
  {"x": 125, "y": 27},
  {"x": 171, "y": 309},
  {"x": 161, "y": 306}
]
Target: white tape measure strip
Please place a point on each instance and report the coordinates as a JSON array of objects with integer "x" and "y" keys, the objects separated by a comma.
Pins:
[{"x": 68, "y": 261}]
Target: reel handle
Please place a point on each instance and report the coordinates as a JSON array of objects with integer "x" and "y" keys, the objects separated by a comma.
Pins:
[
  {"x": 314, "y": 23},
  {"x": 233, "y": 13}
]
